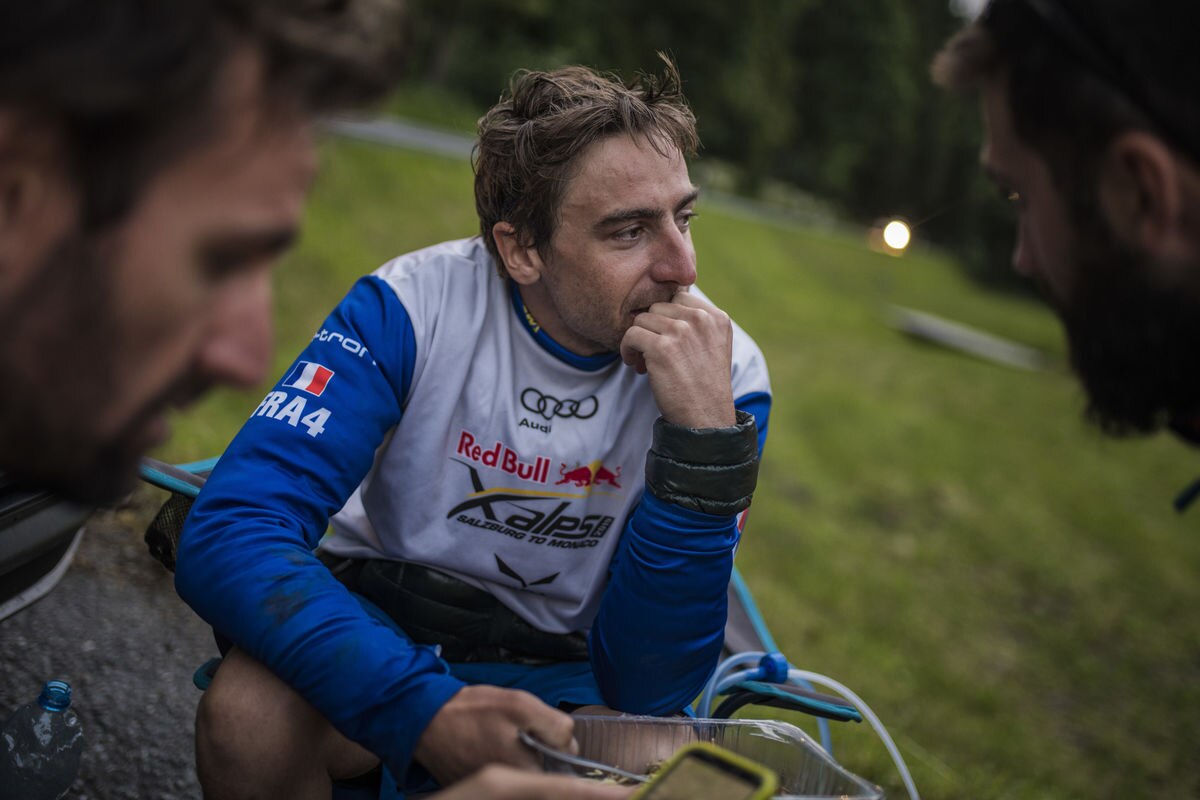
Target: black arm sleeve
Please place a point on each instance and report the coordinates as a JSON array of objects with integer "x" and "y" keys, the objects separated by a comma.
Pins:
[{"x": 711, "y": 470}]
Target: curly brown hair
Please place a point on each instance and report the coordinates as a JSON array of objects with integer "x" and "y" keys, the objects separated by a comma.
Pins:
[
  {"x": 131, "y": 83},
  {"x": 530, "y": 142}
]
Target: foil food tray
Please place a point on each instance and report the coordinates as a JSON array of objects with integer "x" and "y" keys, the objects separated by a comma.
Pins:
[{"x": 641, "y": 744}]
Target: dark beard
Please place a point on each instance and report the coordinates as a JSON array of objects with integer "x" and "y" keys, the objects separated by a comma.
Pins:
[
  {"x": 56, "y": 359},
  {"x": 1134, "y": 344}
]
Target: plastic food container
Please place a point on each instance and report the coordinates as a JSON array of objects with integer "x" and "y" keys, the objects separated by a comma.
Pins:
[{"x": 640, "y": 744}]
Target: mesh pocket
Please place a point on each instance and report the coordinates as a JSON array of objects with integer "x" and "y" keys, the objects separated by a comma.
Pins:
[{"x": 162, "y": 536}]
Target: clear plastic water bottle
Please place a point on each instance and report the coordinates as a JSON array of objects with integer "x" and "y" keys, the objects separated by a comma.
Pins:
[{"x": 41, "y": 745}]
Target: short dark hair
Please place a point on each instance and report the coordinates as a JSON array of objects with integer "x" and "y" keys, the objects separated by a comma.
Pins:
[
  {"x": 530, "y": 141},
  {"x": 1079, "y": 72},
  {"x": 127, "y": 80}
]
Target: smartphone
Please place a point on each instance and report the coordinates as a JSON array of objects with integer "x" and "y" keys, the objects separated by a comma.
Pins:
[{"x": 703, "y": 771}]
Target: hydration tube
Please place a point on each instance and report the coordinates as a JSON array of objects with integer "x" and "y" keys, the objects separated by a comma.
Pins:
[
  {"x": 774, "y": 668},
  {"x": 869, "y": 715},
  {"x": 768, "y": 642},
  {"x": 769, "y": 667},
  {"x": 184, "y": 479}
]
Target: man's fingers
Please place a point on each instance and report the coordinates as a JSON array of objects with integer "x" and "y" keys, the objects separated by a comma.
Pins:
[
  {"x": 634, "y": 344},
  {"x": 684, "y": 298},
  {"x": 681, "y": 330},
  {"x": 674, "y": 311},
  {"x": 551, "y": 726},
  {"x": 479, "y": 725},
  {"x": 671, "y": 319},
  {"x": 683, "y": 308}
]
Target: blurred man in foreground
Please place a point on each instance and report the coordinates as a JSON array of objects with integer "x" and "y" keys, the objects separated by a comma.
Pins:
[
  {"x": 154, "y": 162},
  {"x": 533, "y": 446},
  {"x": 1093, "y": 130}
]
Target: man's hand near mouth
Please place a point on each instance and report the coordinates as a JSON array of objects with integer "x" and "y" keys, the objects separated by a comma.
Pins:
[{"x": 686, "y": 348}]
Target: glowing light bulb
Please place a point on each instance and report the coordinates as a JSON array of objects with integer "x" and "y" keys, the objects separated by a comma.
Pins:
[{"x": 896, "y": 235}]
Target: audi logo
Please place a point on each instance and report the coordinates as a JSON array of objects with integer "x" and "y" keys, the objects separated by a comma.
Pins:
[{"x": 548, "y": 407}]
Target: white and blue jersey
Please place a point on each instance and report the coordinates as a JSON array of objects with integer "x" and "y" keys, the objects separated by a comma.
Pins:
[{"x": 430, "y": 420}]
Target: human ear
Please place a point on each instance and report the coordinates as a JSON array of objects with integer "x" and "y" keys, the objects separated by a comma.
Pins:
[
  {"x": 522, "y": 262},
  {"x": 20, "y": 182},
  {"x": 1142, "y": 192},
  {"x": 36, "y": 203}
]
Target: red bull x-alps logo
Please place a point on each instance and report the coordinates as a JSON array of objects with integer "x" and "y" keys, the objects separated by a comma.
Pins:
[
  {"x": 588, "y": 475},
  {"x": 538, "y": 517}
]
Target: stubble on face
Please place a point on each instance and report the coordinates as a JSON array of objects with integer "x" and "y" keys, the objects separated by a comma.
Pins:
[
  {"x": 596, "y": 326},
  {"x": 70, "y": 350},
  {"x": 1132, "y": 335},
  {"x": 58, "y": 380},
  {"x": 1133, "y": 340}
]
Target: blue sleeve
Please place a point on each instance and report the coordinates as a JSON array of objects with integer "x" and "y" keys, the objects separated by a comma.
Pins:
[
  {"x": 658, "y": 634},
  {"x": 757, "y": 404},
  {"x": 246, "y": 562}
]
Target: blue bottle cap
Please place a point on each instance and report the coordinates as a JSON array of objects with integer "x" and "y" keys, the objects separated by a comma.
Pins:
[{"x": 55, "y": 696}]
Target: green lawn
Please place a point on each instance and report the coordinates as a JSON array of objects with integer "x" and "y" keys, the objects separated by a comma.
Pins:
[{"x": 1009, "y": 591}]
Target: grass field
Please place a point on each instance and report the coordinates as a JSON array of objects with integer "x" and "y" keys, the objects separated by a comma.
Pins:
[{"x": 1010, "y": 592}]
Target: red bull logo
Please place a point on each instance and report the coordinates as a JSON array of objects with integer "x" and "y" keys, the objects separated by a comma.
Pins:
[
  {"x": 502, "y": 457},
  {"x": 584, "y": 475}
]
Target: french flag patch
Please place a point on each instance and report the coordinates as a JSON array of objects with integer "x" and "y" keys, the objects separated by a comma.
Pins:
[{"x": 309, "y": 377}]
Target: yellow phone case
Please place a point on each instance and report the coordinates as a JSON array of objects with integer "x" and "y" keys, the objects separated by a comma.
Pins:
[{"x": 768, "y": 780}]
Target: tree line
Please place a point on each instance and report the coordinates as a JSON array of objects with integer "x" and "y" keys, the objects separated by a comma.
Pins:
[{"x": 830, "y": 96}]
